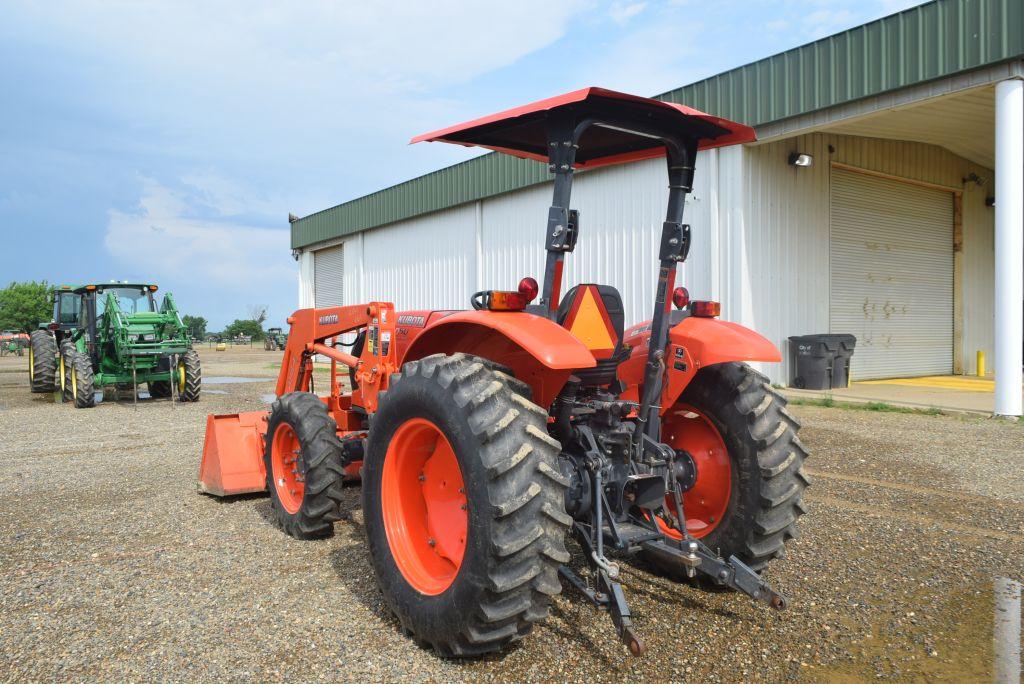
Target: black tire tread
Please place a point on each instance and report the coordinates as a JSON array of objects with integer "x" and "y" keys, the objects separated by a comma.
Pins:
[
  {"x": 193, "y": 376},
  {"x": 526, "y": 492},
  {"x": 44, "y": 358},
  {"x": 321, "y": 460},
  {"x": 159, "y": 389},
  {"x": 756, "y": 414},
  {"x": 84, "y": 391},
  {"x": 67, "y": 352}
]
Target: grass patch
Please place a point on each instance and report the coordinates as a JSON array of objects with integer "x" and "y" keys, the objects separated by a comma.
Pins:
[{"x": 828, "y": 401}]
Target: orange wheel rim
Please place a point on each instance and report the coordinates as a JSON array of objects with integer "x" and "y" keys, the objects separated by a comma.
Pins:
[
  {"x": 284, "y": 464},
  {"x": 423, "y": 502},
  {"x": 706, "y": 502}
]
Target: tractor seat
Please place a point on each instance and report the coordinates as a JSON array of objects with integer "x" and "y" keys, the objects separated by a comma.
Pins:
[{"x": 595, "y": 316}]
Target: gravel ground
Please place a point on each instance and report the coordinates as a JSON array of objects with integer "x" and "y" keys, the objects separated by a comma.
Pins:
[{"x": 115, "y": 568}]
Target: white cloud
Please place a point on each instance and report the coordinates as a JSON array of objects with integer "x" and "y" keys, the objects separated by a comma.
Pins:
[
  {"x": 824, "y": 22},
  {"x": 168, "y": 243},
  {"x": 651, "y": 59},
  {"x": 621, "y": 12},
  {"x": 394, "y": 45}
]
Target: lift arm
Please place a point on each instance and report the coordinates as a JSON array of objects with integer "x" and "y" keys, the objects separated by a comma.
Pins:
[{"x": 312, "y": 329}]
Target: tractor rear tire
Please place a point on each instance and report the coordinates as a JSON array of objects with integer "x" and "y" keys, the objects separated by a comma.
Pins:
[
  {"x": 83, "y": 391},
  {"x": 188, "y": 364},
  {"x": 42, "y": 362},
  {"x": 766, "y": 457},
  {"x": 64, "y": 363},
  {"x": 305, "y": 487},
  {"x": 509, "y": 538}
]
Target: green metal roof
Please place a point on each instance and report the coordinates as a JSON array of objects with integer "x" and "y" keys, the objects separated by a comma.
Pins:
[{"x": 934, "y": 40}]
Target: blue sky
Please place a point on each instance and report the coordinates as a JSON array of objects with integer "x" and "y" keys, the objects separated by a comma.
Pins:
[{"x": 169, "y": 140}]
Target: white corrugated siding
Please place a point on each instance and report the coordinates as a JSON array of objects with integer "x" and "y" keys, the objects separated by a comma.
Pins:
[
  {"x": 423, "y": 263},
  {"x": 892, "y": 275},
  {"x": 760, "y": 227},
  {"x": 621, "y": 212}
]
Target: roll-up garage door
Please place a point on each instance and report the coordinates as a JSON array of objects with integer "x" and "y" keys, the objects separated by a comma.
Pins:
[
  {"x": 329, "y": 276},
  {"x": 892, "y": 274}
]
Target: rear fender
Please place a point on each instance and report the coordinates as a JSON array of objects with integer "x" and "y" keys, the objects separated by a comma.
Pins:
[
  {"x": 694, "y": 343},
  {"x": 539, "y": 352}
]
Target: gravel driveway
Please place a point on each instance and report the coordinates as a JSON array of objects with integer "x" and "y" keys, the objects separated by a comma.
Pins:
[{"x": 115, "y": 568}]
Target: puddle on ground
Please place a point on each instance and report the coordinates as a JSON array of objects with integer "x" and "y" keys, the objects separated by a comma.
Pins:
[
  {"x": 229, "y": 379},
  {"x": 949, "y": 639},
  {"x": 268, "y": 398},
  {"x": 206, "y": 391}
]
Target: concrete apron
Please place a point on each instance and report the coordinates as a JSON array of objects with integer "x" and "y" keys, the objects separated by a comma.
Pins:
[{"x": 954, "y": 393}]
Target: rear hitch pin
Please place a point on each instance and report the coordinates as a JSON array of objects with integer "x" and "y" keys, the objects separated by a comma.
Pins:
[{"x": 692, "y": 560}]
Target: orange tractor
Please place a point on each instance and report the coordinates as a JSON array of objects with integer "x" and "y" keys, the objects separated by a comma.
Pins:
[{"x": 484, "y": 438}]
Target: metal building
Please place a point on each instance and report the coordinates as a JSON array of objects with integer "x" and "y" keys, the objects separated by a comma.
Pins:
[{"x": 906, "y": 228}]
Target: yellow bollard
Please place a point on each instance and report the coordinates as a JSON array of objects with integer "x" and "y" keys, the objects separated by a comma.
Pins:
[{"x": 981, "y": 364}]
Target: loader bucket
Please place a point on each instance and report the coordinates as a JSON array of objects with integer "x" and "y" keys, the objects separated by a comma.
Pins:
[{"x": 233, "y": 454}]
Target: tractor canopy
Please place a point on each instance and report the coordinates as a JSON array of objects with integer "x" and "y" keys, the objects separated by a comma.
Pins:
[{"x": 523, "y": 131}]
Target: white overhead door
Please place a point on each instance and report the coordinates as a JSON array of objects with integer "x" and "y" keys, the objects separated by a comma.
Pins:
[
  {"x": 892, "y": 275},
  {"x": 329, "y": 276}
]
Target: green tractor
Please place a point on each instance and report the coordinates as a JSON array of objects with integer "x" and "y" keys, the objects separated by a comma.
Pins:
[
  {"x": 275, "y": 339},
  {"x": 114, "y": 334},
  {"x": 12, "y": 342}
]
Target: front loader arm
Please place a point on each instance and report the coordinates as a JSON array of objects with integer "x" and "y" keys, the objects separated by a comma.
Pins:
[
  {"x": 311, "y": 329},
  {"x": 169, "y": 308}
]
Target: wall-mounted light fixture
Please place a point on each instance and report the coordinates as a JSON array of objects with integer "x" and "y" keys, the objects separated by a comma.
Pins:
[{"x": 800, "y": 159}]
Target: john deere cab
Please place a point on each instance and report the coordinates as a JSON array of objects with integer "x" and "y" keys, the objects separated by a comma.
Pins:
[
  {"x": 275, "y": 339},
  {"x": 114, "y": 334}
]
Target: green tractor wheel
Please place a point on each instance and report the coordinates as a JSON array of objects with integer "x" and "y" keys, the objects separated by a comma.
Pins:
[
  {"x": 64, "y": 363},
  {"x": 189, "y": 376},
  {"x": 80, "y": 378},
  {"x": 161, "y": 389},
  {"x": 42, "y": 362}
]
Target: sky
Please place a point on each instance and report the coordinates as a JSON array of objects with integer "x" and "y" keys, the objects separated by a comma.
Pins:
[{"x": 168, "y": 141}]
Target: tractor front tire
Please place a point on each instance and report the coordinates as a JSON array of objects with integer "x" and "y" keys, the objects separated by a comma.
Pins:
[
  {"x": 303, "y": 460},
  {"x": 82, "y": 389},
  {"x": 42, "y": 362},
  {"x": 64, "y": 363},
  {"x": 765, "y": 482},
  {"x": 159, "y": 389},
  {"x": 190, "y": 379},
  {"x": 463, "y": 504}
]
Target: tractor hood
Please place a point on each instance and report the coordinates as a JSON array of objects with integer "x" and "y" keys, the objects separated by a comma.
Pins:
[{"x": 522, "y": 131}]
